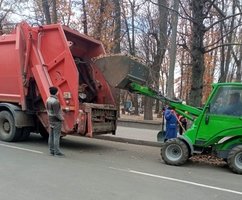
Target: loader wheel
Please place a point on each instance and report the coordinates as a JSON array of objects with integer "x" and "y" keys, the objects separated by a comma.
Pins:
[
  {"x": 235, "y": 159},
  {"x": 175, "y": 152},
  {"x": 8, "y": 131}
]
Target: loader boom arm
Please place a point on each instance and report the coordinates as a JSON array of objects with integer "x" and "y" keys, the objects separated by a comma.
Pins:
[{"x": 178, "y": 106}]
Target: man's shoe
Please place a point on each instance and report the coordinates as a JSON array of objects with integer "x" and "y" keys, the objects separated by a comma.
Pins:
[{"x": 60, "y": 154}]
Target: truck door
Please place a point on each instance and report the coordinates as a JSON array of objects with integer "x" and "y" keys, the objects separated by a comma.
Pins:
[{"x": 222, "y": 116}]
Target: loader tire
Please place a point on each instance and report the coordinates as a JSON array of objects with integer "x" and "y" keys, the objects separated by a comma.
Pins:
[
  {"x": 235, "y": 159},
  {"x": 8, "y": 131},
  {"x": 175, "y": 152}
]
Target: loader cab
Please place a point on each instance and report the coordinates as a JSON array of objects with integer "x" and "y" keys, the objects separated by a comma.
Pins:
[
  {"x": 222, "y": 115},
  {"x": 227, "y": 102}
]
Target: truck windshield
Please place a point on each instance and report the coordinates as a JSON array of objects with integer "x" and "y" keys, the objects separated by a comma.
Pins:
[{"x": 227, "y": 101}]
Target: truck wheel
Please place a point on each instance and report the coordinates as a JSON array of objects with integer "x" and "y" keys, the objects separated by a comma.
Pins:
[
  {"x": 235, "y": 159},
  {"x": 8, "y": 131},
  {"x": 175, "y": 152}
]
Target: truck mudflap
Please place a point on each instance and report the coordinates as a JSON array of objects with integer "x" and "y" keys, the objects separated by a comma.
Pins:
[{"x": 95, "y": 119}]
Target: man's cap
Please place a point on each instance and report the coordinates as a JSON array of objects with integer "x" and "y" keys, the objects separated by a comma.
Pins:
[{"x": 53, "y": 90}]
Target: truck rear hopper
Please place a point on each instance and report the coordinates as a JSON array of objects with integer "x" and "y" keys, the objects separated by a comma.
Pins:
[{"x": 34, "y": 58}]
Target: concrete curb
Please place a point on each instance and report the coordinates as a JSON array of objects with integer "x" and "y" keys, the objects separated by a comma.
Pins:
[
  {"x": 130, "y": 141},
  {"x": 140, "y": 121},
  {"x": 145, "y": 124}
]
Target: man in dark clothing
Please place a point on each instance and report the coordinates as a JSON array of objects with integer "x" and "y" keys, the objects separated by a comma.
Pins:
[
  {"x": 182, "y": 124},
  {"x": 55, "y": 119}
]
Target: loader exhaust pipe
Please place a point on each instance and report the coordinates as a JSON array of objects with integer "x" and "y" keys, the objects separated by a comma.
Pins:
[{"x": 120, "y": 70}]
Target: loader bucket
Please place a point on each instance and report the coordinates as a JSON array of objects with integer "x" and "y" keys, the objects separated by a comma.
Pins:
[{"x": 120, "y": 70}]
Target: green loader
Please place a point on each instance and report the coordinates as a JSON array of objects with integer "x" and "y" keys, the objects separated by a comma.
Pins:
[{"x": 216, "y": 127}]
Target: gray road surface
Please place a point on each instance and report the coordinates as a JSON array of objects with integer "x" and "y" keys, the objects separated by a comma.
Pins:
[{"x": 102, "y": 170}]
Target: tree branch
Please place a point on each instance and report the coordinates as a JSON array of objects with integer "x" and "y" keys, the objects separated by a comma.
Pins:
[
  {"x": 217, "y": 9},
  {"x": 223, "y": 36},
  {"x": 170, "y": 9},
  {"x": 223, "y": 19},
  {"x": 209, "y": 7},
  {"x": 222, "y": 45}
]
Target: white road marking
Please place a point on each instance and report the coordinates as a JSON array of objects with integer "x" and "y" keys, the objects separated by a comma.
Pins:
[
  {"x": 22, "y": 149},
  {"x": 179, "y": 180}
]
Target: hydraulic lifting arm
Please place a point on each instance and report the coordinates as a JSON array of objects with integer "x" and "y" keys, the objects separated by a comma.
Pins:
[{"x": 185, "y": 110}]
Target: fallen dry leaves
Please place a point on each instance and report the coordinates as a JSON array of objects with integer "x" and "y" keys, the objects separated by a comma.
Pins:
[{"x": 208, "y": 159}]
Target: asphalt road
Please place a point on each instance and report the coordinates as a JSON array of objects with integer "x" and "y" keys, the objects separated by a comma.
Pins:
[{"x": 101, "y": 170}]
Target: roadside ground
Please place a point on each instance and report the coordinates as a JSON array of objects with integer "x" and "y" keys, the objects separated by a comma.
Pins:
[{"x": 133, "y": 129}]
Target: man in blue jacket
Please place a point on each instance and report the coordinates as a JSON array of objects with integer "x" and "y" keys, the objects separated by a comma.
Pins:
[{"x": 171, "y": 124}]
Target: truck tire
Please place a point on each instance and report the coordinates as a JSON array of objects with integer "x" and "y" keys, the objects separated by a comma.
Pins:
[
  {"x": 235, "y": 159},
  {"x": 8, "y": 131},
  {"x": 175, "y": 152}
]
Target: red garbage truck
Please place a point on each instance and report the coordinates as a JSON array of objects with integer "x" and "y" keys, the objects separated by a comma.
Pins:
[{"x": 34, "y": 58}]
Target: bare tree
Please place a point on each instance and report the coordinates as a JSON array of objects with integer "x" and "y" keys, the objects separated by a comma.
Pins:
[
  {"x": 54, "y": 12},
  {"x": 173, "y": 47},
  {"x": 202, "y": 10},
  {"x": 161, "y": 38},
  {"x": 46, "y": 10},
  {"x": 116, "y": 47},
  {"x": 197, "y": 51},
  {"x": 84, "y": 19},
  {"x": 7, "y": 7}
]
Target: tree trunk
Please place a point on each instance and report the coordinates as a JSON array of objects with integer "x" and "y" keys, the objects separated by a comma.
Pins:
[
  {"x": 54, "y": 12},
  {"x": 1, "y": 29},
  {"x": 239, "y": 65},
  {"x": 98, "y": 33},
  {"x": 132, "y": 50},
  {"x": 148, "y": 111},
  {"x": 173, "y": 47},
  {"x": 157, "y": 106},
  {"x": 163, "y": 19},
  {"x": 223, "y": 74},
  {"x": 229, "y": 40},
  {"x": 117, "y": 30},
  {"x": 197, "y": 53},
  {"x": 46, "y": 10},
  {"x": 132, "y": 27},
  {"x": 84, "y": 20},
  {"x": 161, "y": 40},
  {"x": 116, "y": 48},
  {"x": 127, "y": 29}
]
